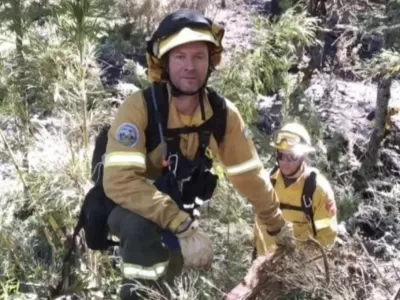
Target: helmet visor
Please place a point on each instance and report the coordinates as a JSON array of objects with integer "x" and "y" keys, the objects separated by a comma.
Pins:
[{"x": 285, "y": 137}]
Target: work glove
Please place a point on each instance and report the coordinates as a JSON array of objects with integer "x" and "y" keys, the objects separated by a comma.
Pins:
[
  {"x": 285, "y": 238},
  {"x": 195, "y": 245}
]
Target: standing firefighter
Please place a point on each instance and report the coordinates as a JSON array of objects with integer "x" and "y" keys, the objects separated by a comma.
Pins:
[
  {"x": 306, "y": 197},
  {"x": 169, "y": 133}
]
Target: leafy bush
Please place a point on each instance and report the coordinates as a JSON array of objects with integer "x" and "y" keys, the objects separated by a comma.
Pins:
[{"x": 265, "y": 69}]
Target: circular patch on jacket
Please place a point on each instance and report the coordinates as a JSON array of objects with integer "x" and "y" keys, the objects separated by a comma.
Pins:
[{"x": 128, "y": 135}]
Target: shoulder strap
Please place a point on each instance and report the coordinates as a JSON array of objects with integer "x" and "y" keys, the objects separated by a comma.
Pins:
[
  {"x": 98, "y": 153},
  {"x": 271, "y": 173},
  {"x": 157, "y": 109},
  {"x": 218, "y": 105},
  {"x": 310, "y": 184}
]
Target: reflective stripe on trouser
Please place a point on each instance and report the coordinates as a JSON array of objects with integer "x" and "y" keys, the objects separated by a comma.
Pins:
[
  {"x": 132, "y": 271},
  {"x": 145, "y": 260}
]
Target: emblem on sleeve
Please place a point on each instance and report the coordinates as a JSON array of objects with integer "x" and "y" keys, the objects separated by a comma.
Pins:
[
  {"x": 128, "y": 135},
  {"x": 331, "y": 207}
]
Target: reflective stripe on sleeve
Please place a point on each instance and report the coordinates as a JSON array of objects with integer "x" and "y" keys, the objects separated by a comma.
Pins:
[
  {"x": 324, "y": 223},
  {"x": 132, "y": 271},
  {"x": 251, "y": 164},
  {"x": 136, "y": 159}
]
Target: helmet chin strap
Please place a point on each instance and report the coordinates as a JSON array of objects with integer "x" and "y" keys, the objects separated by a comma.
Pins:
[{"x": 177, "y": 92}]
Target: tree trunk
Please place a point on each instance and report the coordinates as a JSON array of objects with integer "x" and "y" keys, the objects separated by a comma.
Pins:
[
  {"x": 223, "y": 4},
  {"x": 382, "y": 101}
]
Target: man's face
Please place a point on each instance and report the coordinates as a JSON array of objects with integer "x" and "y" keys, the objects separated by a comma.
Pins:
[
  {"x": 188, "y": 66},
  {"x": 288, "y": 162}
]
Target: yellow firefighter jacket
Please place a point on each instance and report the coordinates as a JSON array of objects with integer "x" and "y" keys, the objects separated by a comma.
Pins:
[
  {"x": 324, "y": 208},
  {"x": 126, "y": 168}
]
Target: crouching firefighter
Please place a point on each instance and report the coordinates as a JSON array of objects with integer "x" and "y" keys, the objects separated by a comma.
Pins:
[
  {"x": 158, "y": 161},
  {"x": 306, "y": 197}
]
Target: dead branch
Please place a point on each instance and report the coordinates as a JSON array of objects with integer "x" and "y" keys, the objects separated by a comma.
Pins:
[{"x": 357, "y": 237}]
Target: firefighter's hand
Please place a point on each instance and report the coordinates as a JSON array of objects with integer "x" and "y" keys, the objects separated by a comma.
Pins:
[
  {"x": 285, "y": 237},
  {"x": 240, "y": 292},
  {"x": 195, "y": 244}
]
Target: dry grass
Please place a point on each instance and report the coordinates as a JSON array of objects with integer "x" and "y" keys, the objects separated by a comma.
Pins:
[{"x": 343, "y": 273}]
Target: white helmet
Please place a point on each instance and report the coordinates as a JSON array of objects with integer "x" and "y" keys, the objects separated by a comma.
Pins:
[{"x": 294, "y": 138}]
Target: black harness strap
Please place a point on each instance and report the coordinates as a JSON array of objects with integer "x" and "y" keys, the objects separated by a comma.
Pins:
[
  {"x": 219, "y": 107},
  {"x": 184, "y": 179},
  {"x": 157, "y": 113},
  {"x": 187, "y": 181},
  {"x": 216, "y": 124},
  {"x": 310, "y": 185},
  {"x": 290, "y": 207}
]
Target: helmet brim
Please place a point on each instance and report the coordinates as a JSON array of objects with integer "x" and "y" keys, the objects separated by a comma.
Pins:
[
  {"x": 184, "y": 36},
  {"x": 298, "y": 149}
]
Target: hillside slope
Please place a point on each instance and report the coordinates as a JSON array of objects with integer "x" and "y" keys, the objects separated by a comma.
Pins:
[{"x": 45, "y": 167}]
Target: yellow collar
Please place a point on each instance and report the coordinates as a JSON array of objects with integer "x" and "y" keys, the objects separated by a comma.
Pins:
[
  {"x": 303, "y": 171},
  {"x": 177, "y": 120},
  {"x": 300, "y": 172}
]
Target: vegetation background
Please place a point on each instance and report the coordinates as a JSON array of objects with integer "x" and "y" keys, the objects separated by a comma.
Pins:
[{"x": 66, "y": 64}]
